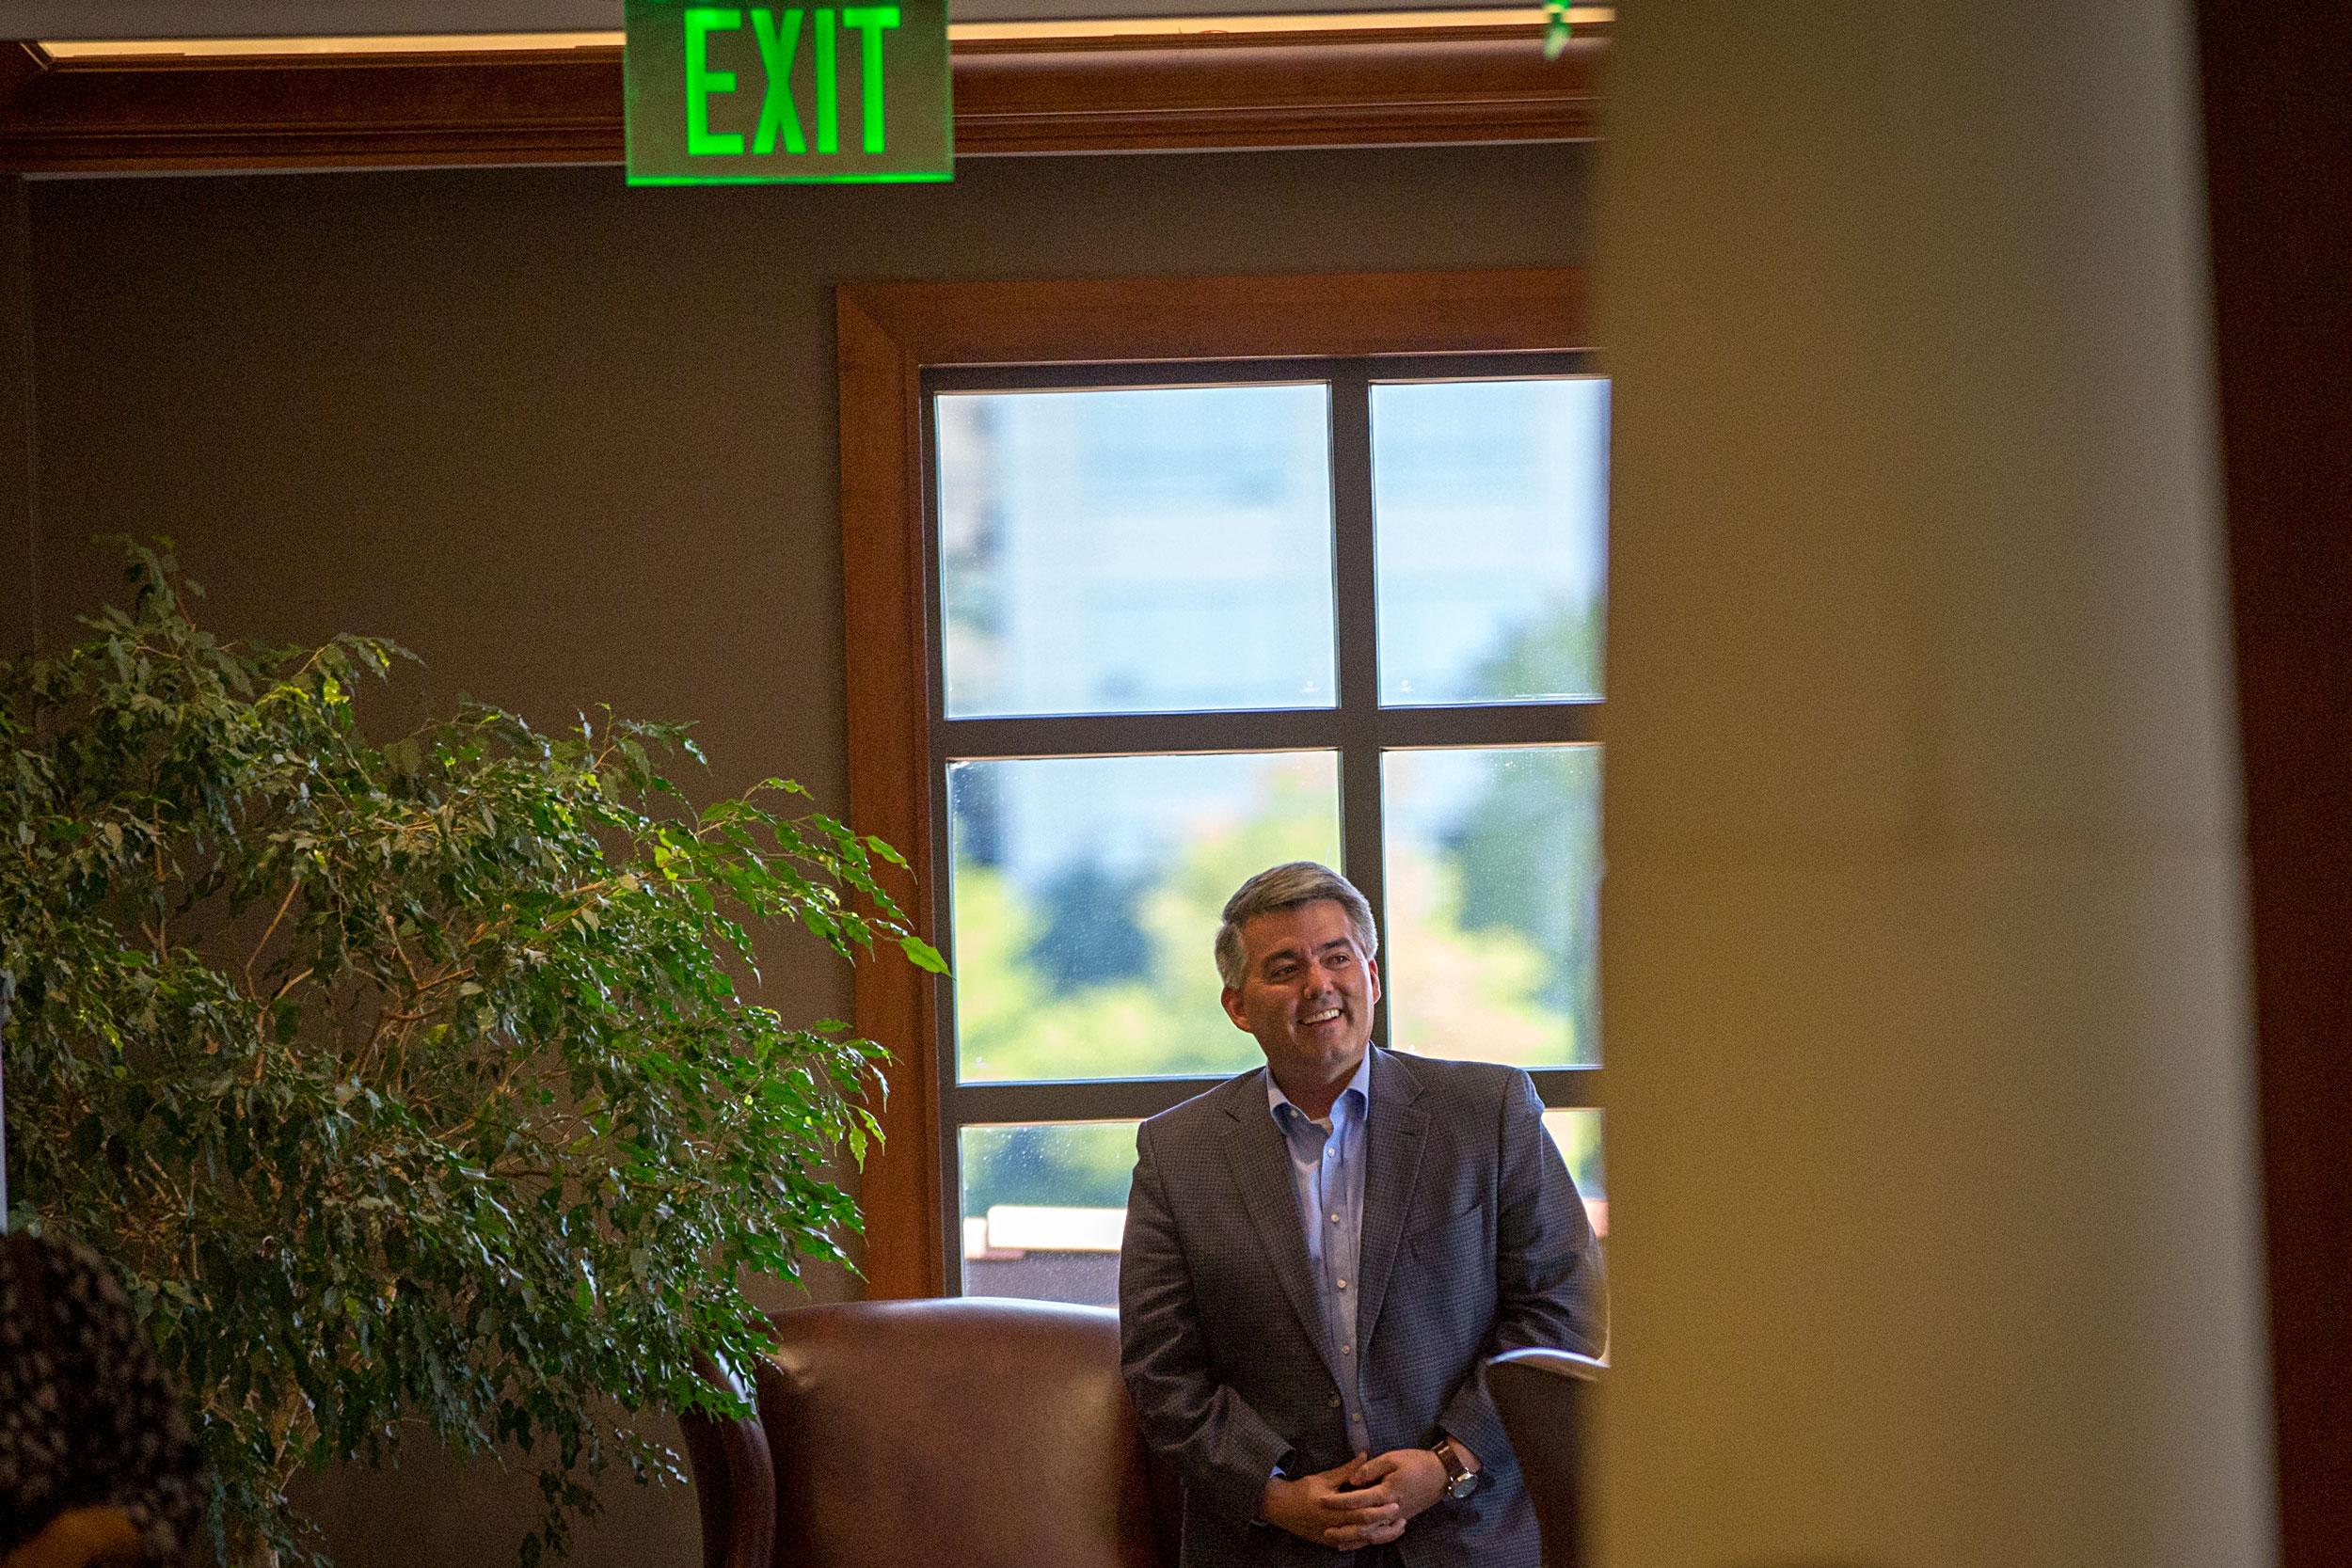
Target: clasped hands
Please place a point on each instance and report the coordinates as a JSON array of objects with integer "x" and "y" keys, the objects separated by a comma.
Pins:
[{"x": 1364, "y": 1502}]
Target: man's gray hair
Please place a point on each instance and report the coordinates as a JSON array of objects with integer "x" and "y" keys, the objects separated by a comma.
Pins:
[{"x": 1284, "y": 887}]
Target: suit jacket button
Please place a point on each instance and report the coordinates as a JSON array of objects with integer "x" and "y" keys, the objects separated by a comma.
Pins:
[{"x": 1335, "y": 1401}]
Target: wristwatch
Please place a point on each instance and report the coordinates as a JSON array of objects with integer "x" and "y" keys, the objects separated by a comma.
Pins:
[{"x": 1460, "y": 1479}]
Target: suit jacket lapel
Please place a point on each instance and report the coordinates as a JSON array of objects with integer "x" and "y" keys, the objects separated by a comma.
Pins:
[
  {"x": 1392, "y": 1150},
  {"x": 1261, "y": 1163}
]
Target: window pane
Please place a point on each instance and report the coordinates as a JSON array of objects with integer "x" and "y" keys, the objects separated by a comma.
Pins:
[
  {"x": 1491, "y": 501},
  {"x": 1042, "y": 1209},
  {"x": 1087, "y": 891},
  {"x": 1043, "y": 1205},
  {"x": 1135, "y": 551},
  {"x": 1577, "y": 1133},
  {"x": 1492, "y": 947}
]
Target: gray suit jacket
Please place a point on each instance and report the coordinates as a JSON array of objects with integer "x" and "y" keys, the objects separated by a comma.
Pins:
[{"x": 1474, "y": 1242}]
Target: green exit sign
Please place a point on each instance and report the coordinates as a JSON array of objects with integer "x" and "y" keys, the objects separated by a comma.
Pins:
[{"x": 742, "y": 94}]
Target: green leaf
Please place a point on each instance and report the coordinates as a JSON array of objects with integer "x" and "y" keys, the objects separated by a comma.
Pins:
[{"x": 922, "y": 954}]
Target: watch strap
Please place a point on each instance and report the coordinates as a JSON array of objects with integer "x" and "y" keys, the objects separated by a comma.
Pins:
[{"x": 1459, "y": 1478}]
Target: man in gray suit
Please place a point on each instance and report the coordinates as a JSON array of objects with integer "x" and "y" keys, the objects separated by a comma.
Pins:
[{"x": 1321, "y": 1256}]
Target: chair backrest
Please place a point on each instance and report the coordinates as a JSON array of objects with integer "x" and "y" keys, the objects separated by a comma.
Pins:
[
  {"x": 1545, "y": 1400},
  {"x": 983, "y": 1434}
]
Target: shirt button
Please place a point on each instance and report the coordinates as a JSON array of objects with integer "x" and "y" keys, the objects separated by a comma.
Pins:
[
  {"x": 1335, "y": 1219},
  {"x": 1342, "y": 1284},
  {"x": 1347, "y": 1349}
]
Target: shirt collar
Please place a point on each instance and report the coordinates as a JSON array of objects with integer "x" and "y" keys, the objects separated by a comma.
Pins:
[{"x": 1359, "y": 1085}]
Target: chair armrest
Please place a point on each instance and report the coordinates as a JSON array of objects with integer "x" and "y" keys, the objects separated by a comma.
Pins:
[
  {"x": 1543, "y": 1399},
  {"x": 735, "y": 1481}
]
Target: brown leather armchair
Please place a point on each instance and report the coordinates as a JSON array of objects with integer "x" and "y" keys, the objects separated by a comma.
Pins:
[
  {"x": 979, "y": 1433},
  {"x": 1544, "y": 1397}
]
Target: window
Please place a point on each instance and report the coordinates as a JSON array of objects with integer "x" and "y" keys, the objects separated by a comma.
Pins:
[{"x": 1157, "y": 620}]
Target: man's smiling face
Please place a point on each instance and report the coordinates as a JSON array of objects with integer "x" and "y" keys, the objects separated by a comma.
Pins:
[{"x": 1306, "y": 994}]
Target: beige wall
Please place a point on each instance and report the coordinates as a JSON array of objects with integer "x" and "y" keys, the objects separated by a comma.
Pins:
[
  {"x": 574, "y": 443},
  {"x": 1935, "y": 1242}
]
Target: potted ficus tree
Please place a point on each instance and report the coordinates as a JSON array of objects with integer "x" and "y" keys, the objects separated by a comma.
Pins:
[{"x": 408, "y": 1083}]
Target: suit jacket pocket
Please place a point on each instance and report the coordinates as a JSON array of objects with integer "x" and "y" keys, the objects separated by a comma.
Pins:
[
  {"x": 1461, "y": 1235},
  {"x": 1449, "y": 1276}
]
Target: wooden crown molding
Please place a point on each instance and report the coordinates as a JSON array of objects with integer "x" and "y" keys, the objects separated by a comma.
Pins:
[{"x": 1189, "y": 92}]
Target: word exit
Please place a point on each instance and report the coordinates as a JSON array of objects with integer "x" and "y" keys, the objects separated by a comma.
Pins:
[
  {"x": 737, "y": 94},
  {"x": 779, "y": 42}
]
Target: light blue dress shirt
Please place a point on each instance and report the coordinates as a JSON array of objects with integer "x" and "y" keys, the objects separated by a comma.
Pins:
[{"x": 1328, "y": 1179}]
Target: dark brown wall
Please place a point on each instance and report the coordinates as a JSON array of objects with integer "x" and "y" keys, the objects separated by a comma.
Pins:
[
  {"x": 2279, "y": 167},
  {"x": 19, "y": 562},
  {"x": 574, "y": 443}
]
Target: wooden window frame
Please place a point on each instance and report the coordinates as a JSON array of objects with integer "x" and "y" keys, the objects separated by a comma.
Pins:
[{"x": 890, "y": 336}]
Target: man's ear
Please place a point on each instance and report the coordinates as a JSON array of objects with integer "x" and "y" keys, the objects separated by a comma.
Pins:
[
  {"x": 1372, "y": 970},
  {"x": 1232, "y": 999}
]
